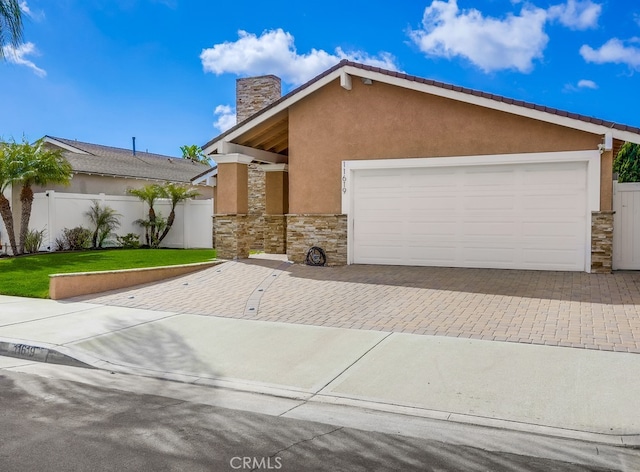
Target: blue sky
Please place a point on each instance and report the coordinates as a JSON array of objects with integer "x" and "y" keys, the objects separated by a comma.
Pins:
[{"x": 164, "y": 71}]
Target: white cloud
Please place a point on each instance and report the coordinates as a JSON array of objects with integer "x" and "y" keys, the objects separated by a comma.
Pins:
[
  {"x": 490, "y": 43},
  {"x": 37, "y": 16},
  {"x": 16, "y": 55},
  {"x": 25, "y": 8},
  {"x": 576, "y": 14},
  {"x": 274, "y": 52},
  {"x": 225, "y": 117},
  {"x": 584, "y": 83},
  {"x": 615, "y": 51}
]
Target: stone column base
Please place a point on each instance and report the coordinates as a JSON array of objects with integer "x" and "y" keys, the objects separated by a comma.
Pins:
[
  {"x": 275, "y": 234},
  {"x": 601, "y": 242},
  {"x": 328, "y": 232},
  {"x": 232, "y": 237}
]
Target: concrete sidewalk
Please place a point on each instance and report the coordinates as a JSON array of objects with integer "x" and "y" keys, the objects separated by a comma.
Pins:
[{"x": 577, "y": 393}]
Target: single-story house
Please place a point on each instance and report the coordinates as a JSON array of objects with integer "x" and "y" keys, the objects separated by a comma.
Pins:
[
  {"x": 112, "y": 172},
  {"x": 381, "y": 167}
]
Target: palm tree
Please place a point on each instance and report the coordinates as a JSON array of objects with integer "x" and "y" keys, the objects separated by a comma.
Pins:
[
  {"x": 176, "y": 193},
  {"x": 105, "y": 219},
  {"x": 35, "y": 165},
  {"x": 27, "y": 164},
  {"x": 194, "y": 153},
  {"x": 10, "y": 24},
  {"x": 149, "y": 194},
  {"x": 7, "y": 177}
]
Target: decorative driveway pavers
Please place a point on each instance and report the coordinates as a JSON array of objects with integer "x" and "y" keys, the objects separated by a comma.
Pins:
[{"x": 573, "y": 309}]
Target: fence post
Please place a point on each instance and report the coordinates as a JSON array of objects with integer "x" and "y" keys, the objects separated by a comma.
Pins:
[
  {"x": 51, "y": 219},
  {"x": 186, "y": 233}
]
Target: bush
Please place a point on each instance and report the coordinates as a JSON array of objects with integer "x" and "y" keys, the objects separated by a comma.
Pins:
[
  {"x": 129, "y": 241},
  {"x": 105, "y": 219},
  {"x": 74, "y": 239},
  {"x": 34, "y": 240},
  {"x": 627, "y": 163}
]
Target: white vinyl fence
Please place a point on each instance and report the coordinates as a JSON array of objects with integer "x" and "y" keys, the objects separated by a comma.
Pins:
[
  {"x": 54, "y": 211},
  {"x": 626, "y": 226}
]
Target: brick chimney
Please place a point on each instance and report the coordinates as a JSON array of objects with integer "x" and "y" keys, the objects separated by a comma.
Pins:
[{"x": 255, "y": 93}]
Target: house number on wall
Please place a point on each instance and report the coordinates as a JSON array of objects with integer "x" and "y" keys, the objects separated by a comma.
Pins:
[{"x": 344, "y": 179}]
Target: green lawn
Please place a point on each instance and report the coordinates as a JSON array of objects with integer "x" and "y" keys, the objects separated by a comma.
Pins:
[{"x": 28, "y": 276}]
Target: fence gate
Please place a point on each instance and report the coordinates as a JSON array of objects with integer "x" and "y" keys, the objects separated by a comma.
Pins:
[{"x": 626, "y": 226}]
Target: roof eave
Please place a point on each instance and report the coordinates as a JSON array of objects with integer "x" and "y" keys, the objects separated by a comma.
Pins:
[{"x": 504, "y": 104}]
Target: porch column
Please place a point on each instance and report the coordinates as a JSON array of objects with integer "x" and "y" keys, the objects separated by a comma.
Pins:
[
  {"x": 232, "y": 206},
  {"x": 276, "y": 207},
  {"x": 602, "y": 221}
]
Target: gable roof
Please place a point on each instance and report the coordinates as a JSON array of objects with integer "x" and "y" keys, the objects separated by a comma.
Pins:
[
  {"x": 275, "y": 116},
  {"x": 87, "y": 158}
]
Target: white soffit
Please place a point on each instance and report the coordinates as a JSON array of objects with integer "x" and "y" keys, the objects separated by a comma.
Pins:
[{"x": 257, "y": 154}]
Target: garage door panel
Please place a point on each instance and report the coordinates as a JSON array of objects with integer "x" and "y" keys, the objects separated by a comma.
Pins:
[
  {"x": 475, "y": 229},
  {"x": 530, "y": 216},
  {"x": 553, "y": 202},
  {"x": 487, "y": 203},
  {"x": 425, "y": 229},
  {"x": 550, "y": 259},
  {"x": 553, "y": 229},
  {"x": 553, "y": 175},
  {"x": 489, "y": 256},
  {"x": 442, "y": 203}
]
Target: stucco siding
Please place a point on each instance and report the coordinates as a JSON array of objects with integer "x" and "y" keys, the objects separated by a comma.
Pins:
[{"x": 382, "y": 121}]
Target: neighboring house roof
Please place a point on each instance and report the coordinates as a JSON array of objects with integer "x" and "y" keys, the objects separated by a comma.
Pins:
[
  {"x": 273, "y": 119},
  {"x": 87, "y": 158}
]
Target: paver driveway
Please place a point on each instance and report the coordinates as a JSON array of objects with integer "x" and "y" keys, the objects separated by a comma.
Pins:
[{"x": 574, "y": 309}]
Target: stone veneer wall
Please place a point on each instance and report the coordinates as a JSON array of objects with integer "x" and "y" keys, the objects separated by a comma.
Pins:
[
  {"x": 602, "y": 242},
  {"x": 255, "y": 93},
  {"x": 257, "y": 204},
  {"x": 232, "y": 237},
  {"x": 328, "y": 232},
  {"x": 275, "y": 234}
]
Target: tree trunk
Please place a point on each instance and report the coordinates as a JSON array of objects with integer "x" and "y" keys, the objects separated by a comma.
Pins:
[
  {"x": 152, "y": 226},
  {"x": 170, "y": 220},
  {"x": 7, "y": 217},
  {"x": 26, "y": 198}
]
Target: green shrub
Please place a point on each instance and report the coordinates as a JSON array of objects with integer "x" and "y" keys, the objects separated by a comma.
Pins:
[
  {"x": 74, "y": 239},
  {"x": 33, "y": 240},
  {"x": 129, "y": 241},
  {"x": 104, "y": 219},
  {"x": 627, "y": 163}
]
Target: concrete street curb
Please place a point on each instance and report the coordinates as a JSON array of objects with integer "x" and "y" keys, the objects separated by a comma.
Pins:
[
  {"x": 38, "y": 353},
  {"x": 71, "y": 357}
]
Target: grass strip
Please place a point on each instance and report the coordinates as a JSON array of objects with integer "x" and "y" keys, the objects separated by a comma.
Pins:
[{"x": 28, "y": 276}]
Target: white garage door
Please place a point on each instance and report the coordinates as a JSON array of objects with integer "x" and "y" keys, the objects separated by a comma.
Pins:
[{"x": 513, "y": 216}]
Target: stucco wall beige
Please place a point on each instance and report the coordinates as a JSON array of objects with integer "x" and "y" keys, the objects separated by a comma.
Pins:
[
  {"x": 277, "y": 193},
  {"x": 382, "y": 121},
  {"x": 233, "y": 197}
]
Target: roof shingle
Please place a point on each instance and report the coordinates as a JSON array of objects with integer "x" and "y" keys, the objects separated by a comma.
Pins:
[{"x": 119, "y": 162}]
